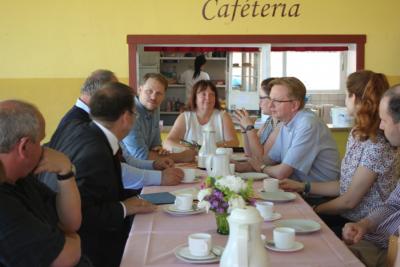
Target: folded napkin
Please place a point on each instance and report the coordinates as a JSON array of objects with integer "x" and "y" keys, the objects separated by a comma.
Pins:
[{"x": 159, "y": 198}]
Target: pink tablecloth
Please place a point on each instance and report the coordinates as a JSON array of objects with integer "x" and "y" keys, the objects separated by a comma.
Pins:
[{"x": 154, "y": 237}]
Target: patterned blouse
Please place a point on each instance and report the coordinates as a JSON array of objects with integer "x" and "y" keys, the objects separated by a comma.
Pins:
[{"x": 378, "y": 157}]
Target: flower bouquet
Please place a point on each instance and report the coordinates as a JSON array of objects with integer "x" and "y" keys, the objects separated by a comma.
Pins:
[{"x": 222, "y": 195}]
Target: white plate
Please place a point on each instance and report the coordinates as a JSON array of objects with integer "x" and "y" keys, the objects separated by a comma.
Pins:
[
  {"x": 252, "y": 175},
  {"x": 277, "y": 196},
  {"x": 236, "y": 157},
  {"x": 173, "y": 211},
  {"x": 300, "y": 226},
  {"x": 196, "y": 180},
  {"x": 182, "y": 253},
  {"x": 297, "y": 246},
  {"x": 275, "y": 216}
]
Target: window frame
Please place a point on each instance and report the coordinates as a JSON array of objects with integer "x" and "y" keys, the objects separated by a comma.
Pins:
[
  {"x": 344, "y": 72},
  {"x": 355, "y": 42}
]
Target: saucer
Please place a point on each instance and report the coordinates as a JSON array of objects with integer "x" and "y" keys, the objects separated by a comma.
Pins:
[
  {"x": 239, "y": 157},
  {"x": 278, "y": 196},
  {"x": 195, "y": 180},
  {"x": 297, "y": 246},
  {"x": 301, "y": 226},
  {"x": 263, "y": 191},
  {"x": 183, "y": 253},
  {"x": 252, "y": 175},
  {"x": 275, "y": 216},
  {"x": 174, "y": 211}
]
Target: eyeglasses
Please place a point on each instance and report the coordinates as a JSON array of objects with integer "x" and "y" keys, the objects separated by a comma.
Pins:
[{"x": 277, "y": 101}]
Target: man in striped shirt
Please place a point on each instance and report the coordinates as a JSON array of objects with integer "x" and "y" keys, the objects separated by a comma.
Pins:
[{"x": 368, "y": 238}]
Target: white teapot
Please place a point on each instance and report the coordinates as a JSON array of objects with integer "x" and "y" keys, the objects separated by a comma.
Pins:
[{"x": 245, "y": 247}]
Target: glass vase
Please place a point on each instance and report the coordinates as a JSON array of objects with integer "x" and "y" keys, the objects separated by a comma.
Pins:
[{"x": 222, "y": 223}]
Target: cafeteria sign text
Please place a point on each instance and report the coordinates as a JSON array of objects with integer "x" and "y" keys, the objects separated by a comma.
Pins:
[{"x": 215, "y": 9}]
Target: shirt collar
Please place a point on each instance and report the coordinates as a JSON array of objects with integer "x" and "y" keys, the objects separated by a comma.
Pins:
[
  {"x": 112, "y": 139},
  {"x": 80, "y": 104},
  {"x": 142, "y": 110},
  {"x": 292, "y": 122}
]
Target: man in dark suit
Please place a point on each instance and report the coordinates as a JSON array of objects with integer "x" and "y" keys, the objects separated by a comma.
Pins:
[
  {"x": 136, "y": 173},
  {"x": 80, "y": 111},
  {"x": 93, "y": 147}
]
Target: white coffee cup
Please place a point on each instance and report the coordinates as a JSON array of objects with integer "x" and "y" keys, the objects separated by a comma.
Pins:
[
  {"x": 184, "y": 202},
  {"x": 265, "y": 208},
  {"x": 189, "y": 174},
  {"x": 284, "y": 237},
  {"x": 224, "y": 151},
  {"x": 271, "y": 185},
  {"x": 232, "y": 168},
  {"x": 200, "y": 244}
]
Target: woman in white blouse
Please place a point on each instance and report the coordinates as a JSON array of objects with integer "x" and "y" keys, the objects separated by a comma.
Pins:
[{"x": 205, "y": 110}]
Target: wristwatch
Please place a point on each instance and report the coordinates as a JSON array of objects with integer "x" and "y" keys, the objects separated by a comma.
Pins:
[
  {"x": 307, "y": 188},
  {"x": 71, "y": 173},
  {"x": 249, "y": 128}
]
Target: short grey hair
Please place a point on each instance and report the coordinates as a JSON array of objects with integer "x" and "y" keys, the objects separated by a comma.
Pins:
[
  {"x": 394, "y": 102},
  {"x": 96, "y": 80},
  {"x": 17, "y": 119}
]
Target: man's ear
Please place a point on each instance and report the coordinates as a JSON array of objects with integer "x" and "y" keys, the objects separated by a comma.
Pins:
[
  {"x": 139, "y": 90},
  {"x": 126, "y": 117},
  {"x": 296, "y": 105},
  {"x": 22, "y": 147}
]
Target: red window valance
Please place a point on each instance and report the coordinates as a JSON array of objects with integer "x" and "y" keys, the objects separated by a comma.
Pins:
[
  {"x": 309, "y": 48},
  {"x": 199, "y": 49}
]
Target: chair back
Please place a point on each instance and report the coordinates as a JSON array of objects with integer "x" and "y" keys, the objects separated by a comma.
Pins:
[{"x": 393, "y": 260}]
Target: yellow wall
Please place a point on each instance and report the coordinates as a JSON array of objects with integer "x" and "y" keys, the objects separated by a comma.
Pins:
[{"x": 47, "y": 47}]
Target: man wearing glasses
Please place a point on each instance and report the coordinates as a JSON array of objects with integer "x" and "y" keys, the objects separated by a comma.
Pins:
[{"x": 304, "y": 149}]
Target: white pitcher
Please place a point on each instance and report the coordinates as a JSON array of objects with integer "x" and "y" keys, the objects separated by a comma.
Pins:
[
  {"x": 245, "y": 247},
  {"x": 217, "y": 165},
  {"x": 208, "y": 147}
]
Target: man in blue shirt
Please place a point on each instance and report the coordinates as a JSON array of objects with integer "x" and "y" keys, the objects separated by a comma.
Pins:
[
  {"x": 144, "y": 140},
  {"x": 304, "y": 148}
]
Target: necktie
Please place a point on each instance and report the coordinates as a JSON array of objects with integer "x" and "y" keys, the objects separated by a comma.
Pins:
[{"x": 119, "y": 155}]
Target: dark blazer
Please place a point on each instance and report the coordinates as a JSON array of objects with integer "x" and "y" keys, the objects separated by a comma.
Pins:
[
  {"x": 75, "y": 113},
  {"x": 104, "y": 230}
]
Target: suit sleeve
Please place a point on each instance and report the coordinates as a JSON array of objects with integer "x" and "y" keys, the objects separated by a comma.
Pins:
[{"x": 100, "y": 188}]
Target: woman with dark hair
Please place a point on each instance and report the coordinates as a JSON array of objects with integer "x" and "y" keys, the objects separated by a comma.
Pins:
[
  {"x": 205, "y": 110},
  {"x": 368, "y": 170},
  {"x": 190, "y": 77},
  {"x": 255, "y": 142}
]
